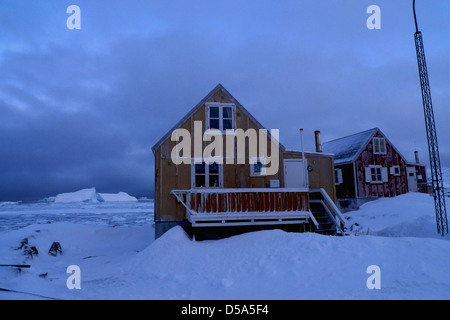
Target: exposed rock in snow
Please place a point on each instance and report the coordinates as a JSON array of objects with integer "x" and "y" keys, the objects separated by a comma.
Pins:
[{"x": 55, "y": 249}]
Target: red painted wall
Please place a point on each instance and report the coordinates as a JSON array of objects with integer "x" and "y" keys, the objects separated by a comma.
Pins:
[{"x": 395, "y": 186}]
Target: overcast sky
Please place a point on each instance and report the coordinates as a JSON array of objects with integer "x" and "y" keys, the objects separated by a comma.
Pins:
[{"x": 82, "y": 108}]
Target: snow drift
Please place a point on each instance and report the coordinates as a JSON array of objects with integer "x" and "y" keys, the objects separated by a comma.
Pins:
[
  {"x": 408, "y": 215},
  {"x": 125, "y": 263}
]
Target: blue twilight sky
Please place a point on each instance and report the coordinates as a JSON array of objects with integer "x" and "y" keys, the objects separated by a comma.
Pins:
[{"x": 82, "y": 108}]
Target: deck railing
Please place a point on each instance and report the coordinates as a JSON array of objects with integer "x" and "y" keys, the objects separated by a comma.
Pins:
[
  {"x": 243, "y": 200},
  {"x": 245, "y": 206}
]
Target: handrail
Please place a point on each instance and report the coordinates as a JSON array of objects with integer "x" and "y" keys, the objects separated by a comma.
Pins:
[
  {"x": 330, "y": 214},
  {"x": 313, "y": 219},
  {"x": 243, "y": 200},
  {"x": 175, "y": 193},
  {"x": 330, "y": 202},
  {"x": 240, "y": 190}
]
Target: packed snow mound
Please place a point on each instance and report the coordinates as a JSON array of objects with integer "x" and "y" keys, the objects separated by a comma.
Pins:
[
  {"x": 408, "y": 215},
  {"x": 274, "y": 264},
  {"x": 117, "y": 197},
  {"x": 91, "y": 195},
  {"x": 85, "y": 195}
]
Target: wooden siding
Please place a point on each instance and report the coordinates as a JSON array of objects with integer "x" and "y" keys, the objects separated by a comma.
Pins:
[
  {"x": 322, "y": 174},
  {"x": 347, "y": 188},
  {"x": 421, "y": 171},
  {"x": 396, "y": 185},
  {"x": 169, "y": 176}
]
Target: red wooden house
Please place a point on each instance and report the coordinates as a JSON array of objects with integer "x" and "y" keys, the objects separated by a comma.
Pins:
[{"x": 368, "y": 166}]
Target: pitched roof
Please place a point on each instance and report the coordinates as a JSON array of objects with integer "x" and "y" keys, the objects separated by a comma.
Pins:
[
  {"x": 347, "y": 149},
  {"x": 219, "y": 87}
]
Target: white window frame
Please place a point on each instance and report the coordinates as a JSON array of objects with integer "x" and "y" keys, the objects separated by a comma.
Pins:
[
  {"x": 338, "y": 176},
  {"x": 382, "y": 174},
  {"x": 263, "y": 162},
  {"x": 221, "y": 106},
  {"x": 380, "y": 142},
  {"x": 207, "y": 175},
  {"x": 376, "y": 172},
  {"x": 393, "y": 169}
]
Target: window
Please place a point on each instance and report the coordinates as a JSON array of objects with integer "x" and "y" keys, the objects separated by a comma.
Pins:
[
  {"x": 220, "y": 116},
  {"x": 379, "y": 146},
  {"x": 206, "y": 175},
  {"x": 338, "y": 176},
  {"x": 395, "y": 170},
  {"x": 376, "y": 174},
  {"x": 257, "y": 168}
]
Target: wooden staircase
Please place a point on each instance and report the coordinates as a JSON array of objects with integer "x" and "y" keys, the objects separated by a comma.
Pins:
[{"x": 329, "y": 218}]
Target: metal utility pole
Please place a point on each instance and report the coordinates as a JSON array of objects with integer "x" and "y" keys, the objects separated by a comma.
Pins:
[{"x": 433, "y": 150}]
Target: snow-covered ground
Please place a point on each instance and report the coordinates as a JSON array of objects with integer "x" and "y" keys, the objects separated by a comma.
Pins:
[
  {"x": 408, "y": 215},
  {"x": 121, "y": 259}
]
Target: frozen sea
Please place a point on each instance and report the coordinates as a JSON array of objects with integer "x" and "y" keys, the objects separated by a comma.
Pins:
[{"x": 14, "y": 216}]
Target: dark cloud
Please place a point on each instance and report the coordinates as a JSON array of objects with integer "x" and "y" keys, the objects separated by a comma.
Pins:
[{"x": 83, "y": 108}]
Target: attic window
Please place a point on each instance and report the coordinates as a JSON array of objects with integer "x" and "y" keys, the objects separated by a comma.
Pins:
[
  {"x": 379, "y": 146},
  {"x": 220, "y": 116}
]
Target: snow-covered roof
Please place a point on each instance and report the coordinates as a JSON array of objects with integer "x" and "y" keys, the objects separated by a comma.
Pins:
[
  {"x": 346, "y": 149},
  {"x": 312, "y": 153}
]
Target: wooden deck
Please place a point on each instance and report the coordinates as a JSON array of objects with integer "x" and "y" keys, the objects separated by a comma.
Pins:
[{"x": 245, "y": 206}]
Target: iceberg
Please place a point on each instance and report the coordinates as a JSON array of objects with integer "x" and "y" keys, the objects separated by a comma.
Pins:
[
  {"x": 90, "y": 196},
  {"x": 85, "y": 195},
  {"x": 116, "y": 197}
]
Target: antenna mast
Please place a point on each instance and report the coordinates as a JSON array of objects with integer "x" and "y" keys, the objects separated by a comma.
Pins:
[{"x": 436, "y": 173}]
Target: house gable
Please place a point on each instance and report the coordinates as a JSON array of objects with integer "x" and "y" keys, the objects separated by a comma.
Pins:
[
  {"x": 218, "y": 94},
  {"x": 380, "y": 174},
  {"x": 358, "y": 156},
  {"x": 170, "y": 176}
]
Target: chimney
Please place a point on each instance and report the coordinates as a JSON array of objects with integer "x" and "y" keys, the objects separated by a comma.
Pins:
[
  {"x": 318, "y": 143},
  {"x": 416, "y": 154}
]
